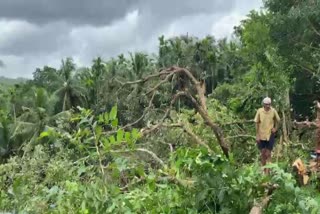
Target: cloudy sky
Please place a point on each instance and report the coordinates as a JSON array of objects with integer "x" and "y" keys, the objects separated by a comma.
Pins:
[{"x": 34, "y": 33}]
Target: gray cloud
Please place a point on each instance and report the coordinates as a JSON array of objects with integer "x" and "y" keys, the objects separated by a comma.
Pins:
[
  {"x": 73, "y": 11},
  {"x": 102, "y": 12},
  {"x": 165, "y": 10},
  {"x": 23, "y": 38},
  {"x": 2, "y": 65},
  {"x": 35, "y": 33}
]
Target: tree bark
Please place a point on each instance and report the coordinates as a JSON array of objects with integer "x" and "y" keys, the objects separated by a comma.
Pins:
[{"x": 257, "y": 209}]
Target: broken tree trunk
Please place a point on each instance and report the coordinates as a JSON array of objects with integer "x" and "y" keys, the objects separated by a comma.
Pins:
[
  {"x": 298, "y": 166},
  {"x": 258, "y": 208},
  {"x": 199, "y": 101},
  {"x": 301, "y": 172},
  {"x": 195, "y": 91},
  {"x": 312, "y": 124}
]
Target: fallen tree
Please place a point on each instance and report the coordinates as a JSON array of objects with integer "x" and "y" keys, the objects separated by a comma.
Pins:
[{"x": 194, "y": 90}]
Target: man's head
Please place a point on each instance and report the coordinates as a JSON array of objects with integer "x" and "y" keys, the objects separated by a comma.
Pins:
[{"x": 266, "y": 103}]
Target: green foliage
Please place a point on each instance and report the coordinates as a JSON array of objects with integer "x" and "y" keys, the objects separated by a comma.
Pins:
[
  {"x": 290, "y": 198},
  {"x": 72, "y": 140},
  {"x": 294, "y": 28}
]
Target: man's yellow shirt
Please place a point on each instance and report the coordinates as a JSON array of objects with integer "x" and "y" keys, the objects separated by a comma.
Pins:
[{"x": 266, "y": 120}]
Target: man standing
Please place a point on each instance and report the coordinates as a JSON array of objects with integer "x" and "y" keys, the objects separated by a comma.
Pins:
[{"x": 267, "y": 121}]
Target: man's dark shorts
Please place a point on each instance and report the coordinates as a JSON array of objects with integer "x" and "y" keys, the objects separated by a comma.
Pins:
[{"x": 264, "y": 144}]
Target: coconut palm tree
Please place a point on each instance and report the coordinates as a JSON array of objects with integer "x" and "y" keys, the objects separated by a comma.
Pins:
[
  {"x": 70, "y": 92},
  {"x": 93, "y": 79}
]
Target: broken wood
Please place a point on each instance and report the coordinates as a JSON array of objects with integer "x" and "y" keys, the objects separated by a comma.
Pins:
[
  {"x": 312, "y": 124},
  {"x": 301, "y": 171},
  {"x": 258, "y": 208}
]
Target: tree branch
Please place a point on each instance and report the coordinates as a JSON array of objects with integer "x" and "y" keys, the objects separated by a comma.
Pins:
[
  {"x": 214, "y": 127},
  {"x": 125, "y": 188},
  {"x": 168, "y": 144},
  {"x": 196, "y": 138},
  {"x": 304, "y": 124},
  {"x": 200, "y": 90},
  {"x": 146, "y": 131},
  {"x": 315, "y": 124},
  {"x": 143, "y": 80},
  {"x": 199, "y": 104},
  {"x": 143, "y": 115},
  {"x": 258, "y": 208},
  {"x": 161, "y": 82}
]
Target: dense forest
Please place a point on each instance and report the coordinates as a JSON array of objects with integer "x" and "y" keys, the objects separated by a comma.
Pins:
[{"x": 169, "y": 132}]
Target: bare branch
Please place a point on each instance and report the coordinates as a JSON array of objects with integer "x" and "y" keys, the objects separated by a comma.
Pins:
[
  {"x": 313, "y": 124},
  {"x": 214, "y": 127},
  {"x": 161, "y": 82},
  {"x": 168, "y": 144},
  {"x": 199, "y": 104},
  {"x": 183, "y": 70},
  {"x": 172, "y": 125},
  {"x": 304, "y": 124},
  {"x": 146, "y": 131},
  {"x": 143, "y": 115},
  {"x": 258, "y": 208},
  {"x": 125, "y": 188},
  {"x": 143, "y": 80},
  {"x": 196, "y": 138},
  {"x": 153, "y": 155}
]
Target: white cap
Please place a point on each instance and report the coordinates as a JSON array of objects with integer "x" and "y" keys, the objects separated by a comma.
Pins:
[{"x": 266, "y": 100}]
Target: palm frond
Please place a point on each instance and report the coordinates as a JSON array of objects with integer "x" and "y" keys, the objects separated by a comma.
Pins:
[{"x": 41, "y": 97}]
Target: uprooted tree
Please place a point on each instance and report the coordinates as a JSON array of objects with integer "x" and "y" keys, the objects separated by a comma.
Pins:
[
  {"x": 313, "y": 166},
  {"x": 194, "y": 90},
  {"x": 313, "y": 125}
]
